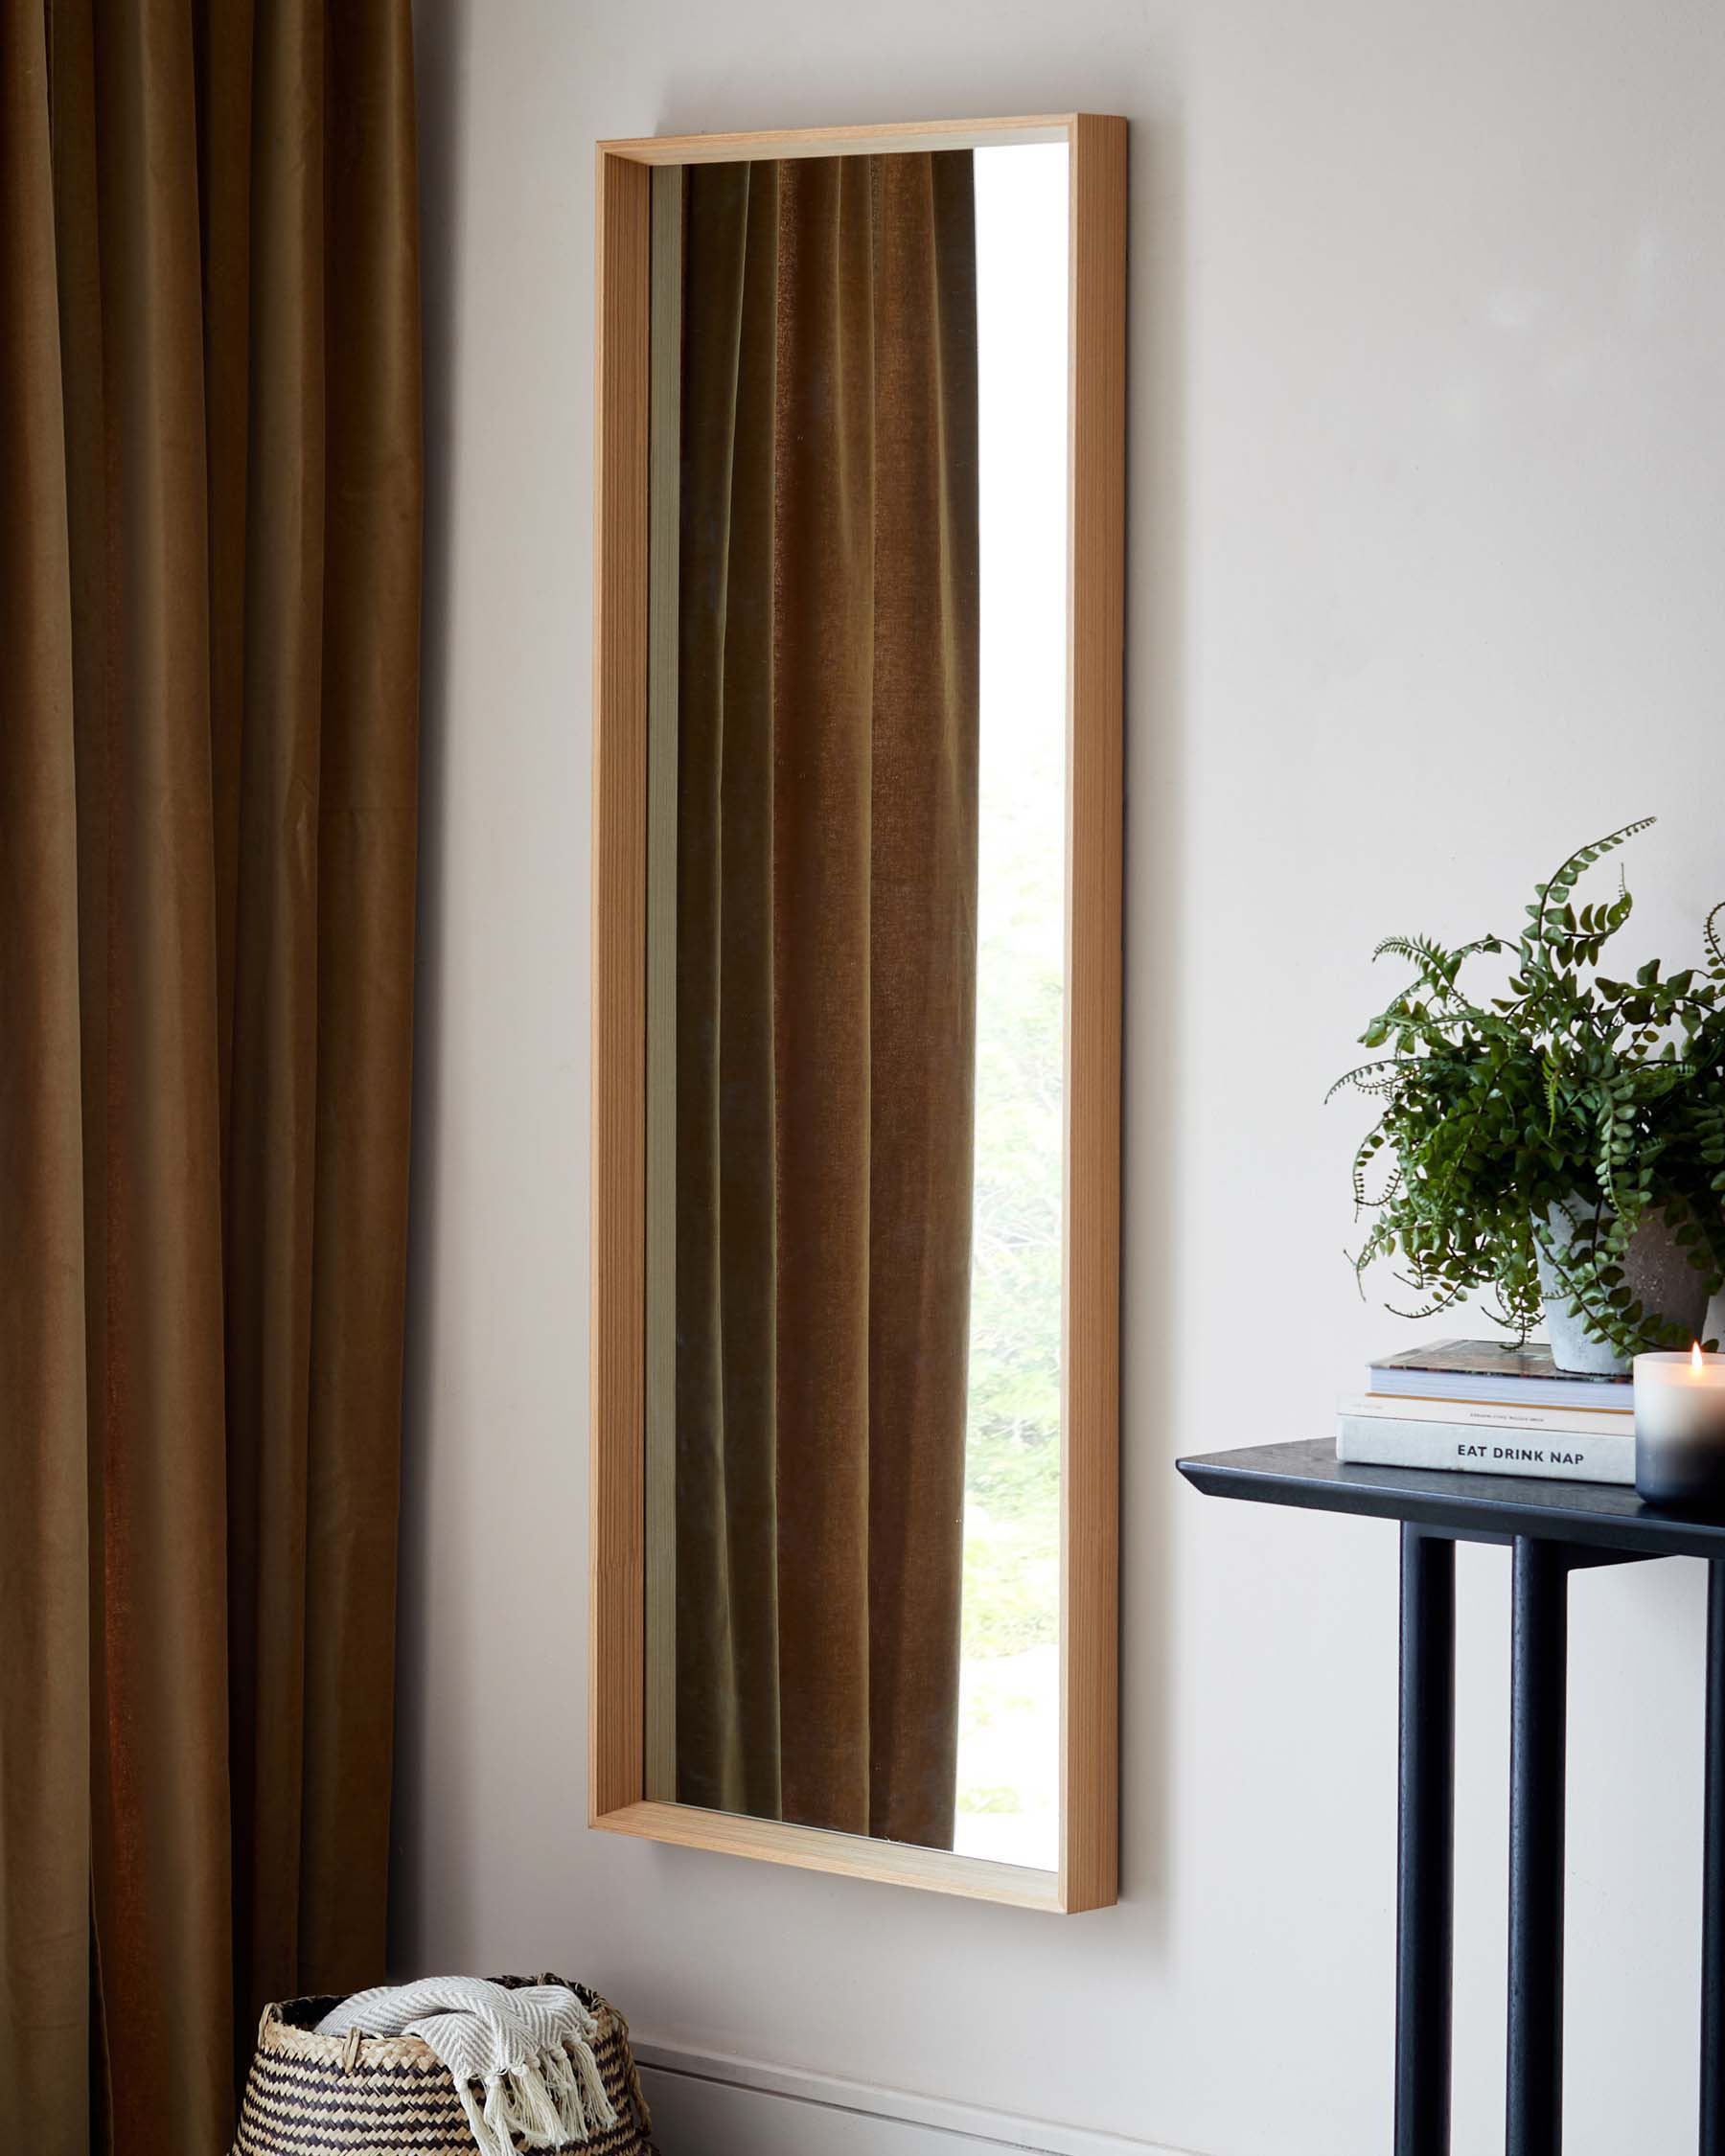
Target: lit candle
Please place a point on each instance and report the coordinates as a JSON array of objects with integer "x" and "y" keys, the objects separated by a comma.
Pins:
[{"x": 1680, "y": 1428}]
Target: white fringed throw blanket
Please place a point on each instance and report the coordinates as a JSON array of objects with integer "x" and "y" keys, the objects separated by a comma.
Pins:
[{"x": 522, "y": 2061}]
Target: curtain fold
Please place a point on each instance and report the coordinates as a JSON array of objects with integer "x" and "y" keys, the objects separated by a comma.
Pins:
[
  {"x": 207, "y": 803},
  {"x": 44, "y": 1525},
  {"x": 826, "y": 985}
]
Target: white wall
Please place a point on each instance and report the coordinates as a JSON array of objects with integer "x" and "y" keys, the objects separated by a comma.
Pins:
[{"x": 1427, "y": 555}]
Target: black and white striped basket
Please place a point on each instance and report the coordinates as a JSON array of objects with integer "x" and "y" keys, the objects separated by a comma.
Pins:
[{"x": 390, "y": 2095}]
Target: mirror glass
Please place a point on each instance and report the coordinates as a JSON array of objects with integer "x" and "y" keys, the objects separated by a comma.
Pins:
[{"x": 856, "y": 993}]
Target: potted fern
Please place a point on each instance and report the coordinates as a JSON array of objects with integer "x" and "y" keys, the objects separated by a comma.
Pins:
[{"x": 1562, "y": 1142}]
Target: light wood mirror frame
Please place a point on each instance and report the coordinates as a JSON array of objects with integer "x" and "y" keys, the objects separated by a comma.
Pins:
[{"x": 1086, "y": 1877}]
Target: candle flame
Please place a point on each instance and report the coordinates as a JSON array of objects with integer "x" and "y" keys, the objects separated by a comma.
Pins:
[{"x": 1695, "y": 1362}]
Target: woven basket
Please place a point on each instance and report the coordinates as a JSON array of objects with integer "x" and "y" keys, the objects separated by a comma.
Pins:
[{"x": 387, "y": 2096}]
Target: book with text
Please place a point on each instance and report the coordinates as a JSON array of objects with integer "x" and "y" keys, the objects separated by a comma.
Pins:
[{"x": 1606, "y": 1455}]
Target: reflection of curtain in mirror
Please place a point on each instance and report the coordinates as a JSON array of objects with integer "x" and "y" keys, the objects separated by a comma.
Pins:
[{"x": 826, "y": 985}]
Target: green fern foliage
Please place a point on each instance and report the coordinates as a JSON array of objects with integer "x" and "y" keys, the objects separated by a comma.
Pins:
[{"x": 1569, "y": 1088}]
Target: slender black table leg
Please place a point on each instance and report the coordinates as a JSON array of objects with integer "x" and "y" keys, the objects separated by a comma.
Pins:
[
  {"x": 1712, "y": 1876},
  {"x": 1538, "y": 1676},
  {"x": 1425, "y": 1844}
]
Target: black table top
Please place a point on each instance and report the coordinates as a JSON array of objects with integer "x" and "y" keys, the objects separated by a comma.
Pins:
[{"x": 1482, "y": 1507}]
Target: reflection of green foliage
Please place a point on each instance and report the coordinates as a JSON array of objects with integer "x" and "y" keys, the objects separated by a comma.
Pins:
[
  {"x": 992, "y": 1798},
  {"x": 1012, "y": 1465},
  {"x": 1012, "y": 1575}
]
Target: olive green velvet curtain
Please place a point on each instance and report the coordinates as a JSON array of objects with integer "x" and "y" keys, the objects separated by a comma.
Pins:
[
  {"x": 825, "y": 985},
  {"x": 210, "y": 488}
]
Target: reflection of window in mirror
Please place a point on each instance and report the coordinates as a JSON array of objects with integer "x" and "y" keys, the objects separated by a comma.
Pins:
[{"x": 1008, "y": 1789}]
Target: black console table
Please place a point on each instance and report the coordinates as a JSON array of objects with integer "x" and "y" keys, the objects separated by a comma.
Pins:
[{"x": 1553, "y": 1528}]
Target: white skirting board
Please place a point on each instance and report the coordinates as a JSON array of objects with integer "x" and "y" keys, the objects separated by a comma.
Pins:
[{"x": 705, "y": 2103}]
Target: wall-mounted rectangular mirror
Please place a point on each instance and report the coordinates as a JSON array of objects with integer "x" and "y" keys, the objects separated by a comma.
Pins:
[{"x": 856, "y": 1000}]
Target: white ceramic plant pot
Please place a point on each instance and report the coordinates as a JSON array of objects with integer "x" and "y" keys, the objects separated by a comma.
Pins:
[{"x": 1656, "y": 1269}]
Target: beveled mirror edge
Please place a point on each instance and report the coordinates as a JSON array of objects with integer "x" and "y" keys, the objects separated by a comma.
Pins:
[{"x": 1088, "y": 1874}]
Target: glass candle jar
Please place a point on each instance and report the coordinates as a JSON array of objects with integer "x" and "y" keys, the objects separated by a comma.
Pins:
[{"x": 1680, "y": 1428}]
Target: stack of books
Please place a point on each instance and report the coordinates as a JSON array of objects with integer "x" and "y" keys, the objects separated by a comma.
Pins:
[{"x": 1478, "y": 1408}]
